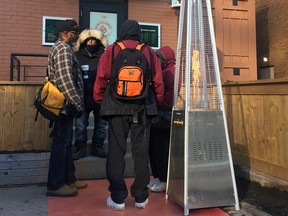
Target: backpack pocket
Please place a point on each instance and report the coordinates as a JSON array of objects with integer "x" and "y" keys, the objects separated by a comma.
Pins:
[{"x": 130, "y": 81}]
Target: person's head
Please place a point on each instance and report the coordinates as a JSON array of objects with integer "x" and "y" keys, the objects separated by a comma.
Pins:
[
  {"x": 92, "y": 40},
  {"x": 69, "y": 31},
  {"x": 166, "y": 56},
  {"x": 130, "y": 30}
]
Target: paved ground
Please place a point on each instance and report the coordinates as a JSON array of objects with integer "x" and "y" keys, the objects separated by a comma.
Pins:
[
  {"x": 31, "y": 201},
  {"x": 23, "y": 201}
]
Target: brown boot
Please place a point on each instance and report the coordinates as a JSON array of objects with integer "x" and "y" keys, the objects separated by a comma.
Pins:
[
  {"x": 78, "y": 185},
  {"x": 64, "y": 191}
]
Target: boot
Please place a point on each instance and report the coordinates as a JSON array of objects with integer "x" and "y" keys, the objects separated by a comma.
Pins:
[
  {"x": 98, "y": 150},
  {"x": 80, "y": 150}
]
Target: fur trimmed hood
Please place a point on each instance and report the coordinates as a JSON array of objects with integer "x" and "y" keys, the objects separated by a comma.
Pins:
[{"x": 87, "y": 33}]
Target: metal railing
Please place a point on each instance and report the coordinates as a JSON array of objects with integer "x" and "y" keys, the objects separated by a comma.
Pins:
[{"x": 15, "y": 65}]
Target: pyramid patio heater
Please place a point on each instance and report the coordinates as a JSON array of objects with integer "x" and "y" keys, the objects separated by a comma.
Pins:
[{"x": 200, "y": 172}]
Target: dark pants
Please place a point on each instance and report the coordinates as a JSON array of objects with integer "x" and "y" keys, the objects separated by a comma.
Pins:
[
  {"x": 118, "y": 130},
  {"x": 158, "y": 152},
  {"x": 99, "y": 127},
  {"x": 61, "y": 164}
]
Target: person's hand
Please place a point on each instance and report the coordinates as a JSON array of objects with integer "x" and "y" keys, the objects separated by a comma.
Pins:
[{"x": 77, "y": 114}]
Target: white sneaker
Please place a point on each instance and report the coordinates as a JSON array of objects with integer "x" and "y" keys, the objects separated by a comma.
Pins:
[
  {"x": 142, "y": 205},
  {"x": 118, "y": 207},
  {"x": 153, "y": 182},
  {"x": 158, "y": 187}
]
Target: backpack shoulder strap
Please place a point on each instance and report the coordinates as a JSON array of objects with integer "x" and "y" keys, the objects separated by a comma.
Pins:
[
  {"x": 139, "y": 46},
  {"x": 121, "y": 45}
]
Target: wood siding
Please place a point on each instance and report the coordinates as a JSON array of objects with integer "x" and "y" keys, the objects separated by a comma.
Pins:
[{"x": 235, "y": 33}]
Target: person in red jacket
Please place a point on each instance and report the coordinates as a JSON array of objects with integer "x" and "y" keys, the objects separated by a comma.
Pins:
[
  {"x": 121, "y": 121},
  {"x": 160, "y": 126}
]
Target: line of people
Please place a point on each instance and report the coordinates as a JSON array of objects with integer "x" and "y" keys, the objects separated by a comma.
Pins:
[{"x": 84, "y": 77}]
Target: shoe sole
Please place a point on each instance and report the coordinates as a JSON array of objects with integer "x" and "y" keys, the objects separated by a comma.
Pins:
[
  {"x": 79, "y": 187},
  {"x": 142, "y": 206},
  {"x": 99, "y": 156},
  {"x": 117, "y": 209},
  {"x": 111, "y": 205},
  {"x": 48, "y": 193},
  {"x": 157, "y": 191}
]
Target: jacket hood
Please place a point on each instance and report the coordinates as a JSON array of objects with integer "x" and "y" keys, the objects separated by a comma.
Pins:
[
  {"x": 130, "y": 30},
  {"x": 87, "y": 33},
  {"x": 168, "y": 54}
]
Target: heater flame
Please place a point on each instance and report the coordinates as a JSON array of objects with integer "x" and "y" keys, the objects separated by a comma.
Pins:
[{"x": 196, "y": 75}]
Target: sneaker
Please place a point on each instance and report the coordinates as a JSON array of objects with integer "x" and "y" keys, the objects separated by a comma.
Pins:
[
  {"x": 158, "y": 187},
  {"x": 118, "y": 207},
  {"x": 78, "y": 185},
  {"x": 153, "y": 182},
  {"x": 98, "y": 151},
  {"x": 64, "y": 191},
  {"x": 142, "y": 205}
]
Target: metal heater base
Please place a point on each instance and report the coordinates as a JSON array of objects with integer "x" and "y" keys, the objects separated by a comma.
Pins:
[{"x": 209, "y": 180}]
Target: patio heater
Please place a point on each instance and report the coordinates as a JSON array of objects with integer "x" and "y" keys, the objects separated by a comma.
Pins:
[{"x": 200, "y": 172}]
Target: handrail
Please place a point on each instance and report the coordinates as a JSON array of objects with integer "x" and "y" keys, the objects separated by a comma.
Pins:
[{"x": 15, "y": 63}]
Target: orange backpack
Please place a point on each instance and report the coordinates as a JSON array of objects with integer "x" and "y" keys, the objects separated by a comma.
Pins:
[{"x": 131, "y": 75}]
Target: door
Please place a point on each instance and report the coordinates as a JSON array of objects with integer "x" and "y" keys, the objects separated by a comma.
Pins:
[{"x": 106, "y": 16}]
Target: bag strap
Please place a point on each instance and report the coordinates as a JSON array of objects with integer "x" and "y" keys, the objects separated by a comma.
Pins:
[
  {"x": 139, "y": 46},
  {"x": 121, "y": 45}
]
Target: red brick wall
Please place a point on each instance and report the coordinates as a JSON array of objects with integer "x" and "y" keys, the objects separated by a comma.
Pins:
[
  {"x": 21, "y": 27},
  {"x": 272, "y": 35},
  {"x": 160, "y": 12}
]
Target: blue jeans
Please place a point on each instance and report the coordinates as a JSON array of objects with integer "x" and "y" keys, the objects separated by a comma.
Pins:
[
  {"x": 61, "y": 165},
  {"x": 82, "y": 123}
]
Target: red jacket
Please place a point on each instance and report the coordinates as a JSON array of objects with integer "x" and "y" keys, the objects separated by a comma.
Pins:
[{"x": 168, "y": 76}]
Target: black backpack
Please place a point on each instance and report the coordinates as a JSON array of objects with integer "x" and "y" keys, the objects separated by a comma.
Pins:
[{"x": 131, "y": 74}]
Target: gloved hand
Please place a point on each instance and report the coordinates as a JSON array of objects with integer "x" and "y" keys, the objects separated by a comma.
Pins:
[{"x": 77, "y": 114}]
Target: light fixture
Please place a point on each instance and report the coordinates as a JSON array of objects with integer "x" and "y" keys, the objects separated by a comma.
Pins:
[{"x": 265, "y": 59}]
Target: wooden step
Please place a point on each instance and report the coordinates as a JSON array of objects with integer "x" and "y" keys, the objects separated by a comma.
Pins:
[{"x": 32, "y": 168}]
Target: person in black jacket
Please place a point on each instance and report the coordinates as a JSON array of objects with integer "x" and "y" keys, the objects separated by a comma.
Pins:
[{"x": 90, "y": 46}]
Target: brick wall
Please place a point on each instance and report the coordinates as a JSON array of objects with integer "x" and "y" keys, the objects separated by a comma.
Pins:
[
  {"x": 160, "y": 12},
  {"x": 22, "y": 21},
  {"x": 272, "y": 35},
  {"x": 21, "y": 27}
]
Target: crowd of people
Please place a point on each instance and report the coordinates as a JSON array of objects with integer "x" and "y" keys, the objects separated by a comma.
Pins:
[{"x": 83, "y": 66}]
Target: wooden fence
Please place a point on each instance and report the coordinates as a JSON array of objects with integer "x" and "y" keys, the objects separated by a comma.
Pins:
[
  {"x": 257, "y": 117},
  {"x": 18, "y": 129}
]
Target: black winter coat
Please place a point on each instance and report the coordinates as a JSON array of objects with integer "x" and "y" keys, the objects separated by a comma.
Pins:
[{"x": 85, "y": 58}]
